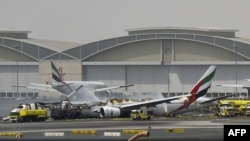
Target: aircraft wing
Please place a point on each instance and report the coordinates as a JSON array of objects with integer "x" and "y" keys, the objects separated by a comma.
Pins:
[
  {"x": 233, "y": 85},
  {"x": 36, "y": 86},
  {"x": 216, "y": 99},
  {"x": 150, "y": 103},
  {"x": 111, "y": 88}
]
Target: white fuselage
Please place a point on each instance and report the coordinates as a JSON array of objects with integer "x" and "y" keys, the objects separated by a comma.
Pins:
[
  {"x": 164, "y": 108},
  {"x": 158, "y": 110}
]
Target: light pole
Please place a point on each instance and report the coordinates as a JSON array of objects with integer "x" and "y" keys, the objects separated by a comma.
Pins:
[
  {"x": 17, "y": 70},
  {"x": 236, "y": 68},
  {"x": 168, "y": 80}
]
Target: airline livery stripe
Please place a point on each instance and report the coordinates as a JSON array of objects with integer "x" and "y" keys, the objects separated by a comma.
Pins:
[
  {"x": 55, "y": 73},
  {"x": 205, "y": 86},
  {"x": 202, "y": 82},
  {"x": 209, "y": 77}
]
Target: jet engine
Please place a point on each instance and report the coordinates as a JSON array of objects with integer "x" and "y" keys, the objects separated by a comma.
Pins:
[{"x": 110, "y": 112}]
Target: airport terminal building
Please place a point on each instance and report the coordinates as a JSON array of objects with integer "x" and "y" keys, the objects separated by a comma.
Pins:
[{"x": 167, "y": 60}]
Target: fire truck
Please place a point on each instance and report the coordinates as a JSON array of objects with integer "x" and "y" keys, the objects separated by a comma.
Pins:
[
  {"x": 141, "y": 114},
  {"x": 225, "y": 109},
  {"x": 28, "y": 112}
]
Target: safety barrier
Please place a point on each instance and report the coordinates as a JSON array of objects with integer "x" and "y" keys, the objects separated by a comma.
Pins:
[
  {"x": 133, "y": 131},
  {"x": 83, "y": 131},
  {"x": 174, "y": 130},
  {"x": 17, "y": 135},
  {"x": 114, "y": 134},
  {"x": 56, "y": 134}
]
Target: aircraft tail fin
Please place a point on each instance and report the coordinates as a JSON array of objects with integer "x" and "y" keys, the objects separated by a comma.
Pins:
[
  {"x": 55, "y": 73},
  {"x": 57, "y": 76},
  {"x": 202, "y": 86}
]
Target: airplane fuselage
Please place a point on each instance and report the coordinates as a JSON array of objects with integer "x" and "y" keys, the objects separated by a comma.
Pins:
[
  {"x": 165, "y": 108},
  {"x": 159, "y": 110}
]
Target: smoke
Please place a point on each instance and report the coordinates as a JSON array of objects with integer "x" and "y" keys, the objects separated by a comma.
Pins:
[{"x": 84, "y": 95}]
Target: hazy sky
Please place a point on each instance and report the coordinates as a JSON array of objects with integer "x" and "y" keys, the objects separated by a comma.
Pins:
[{"x": 86, "y": 21}]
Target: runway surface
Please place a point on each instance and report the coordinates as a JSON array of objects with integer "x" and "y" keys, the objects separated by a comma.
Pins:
[{"x": 203, "y": 130}]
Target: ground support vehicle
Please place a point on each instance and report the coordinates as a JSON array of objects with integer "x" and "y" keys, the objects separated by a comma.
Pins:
[
  {"x": 141, "y": 114},
  {"x": 247, "y": 112},
  {"x": 226, "y": 111},
  {"x": 25, "y": 115},
  {"x": 239, "y": 105}
]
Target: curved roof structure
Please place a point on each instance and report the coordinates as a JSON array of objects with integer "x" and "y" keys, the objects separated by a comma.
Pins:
[
  {"x": 16, "y": 41},
  {"x": 35, "y": 50}
]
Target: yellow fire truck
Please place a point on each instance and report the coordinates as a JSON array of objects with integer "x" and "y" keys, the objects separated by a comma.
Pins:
[
  {"x": 225, "y": 109},
  {"x": 239, "y": 105},
  {"x": 141, "y": 114},
  {"x": 27, "y": 112}
]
